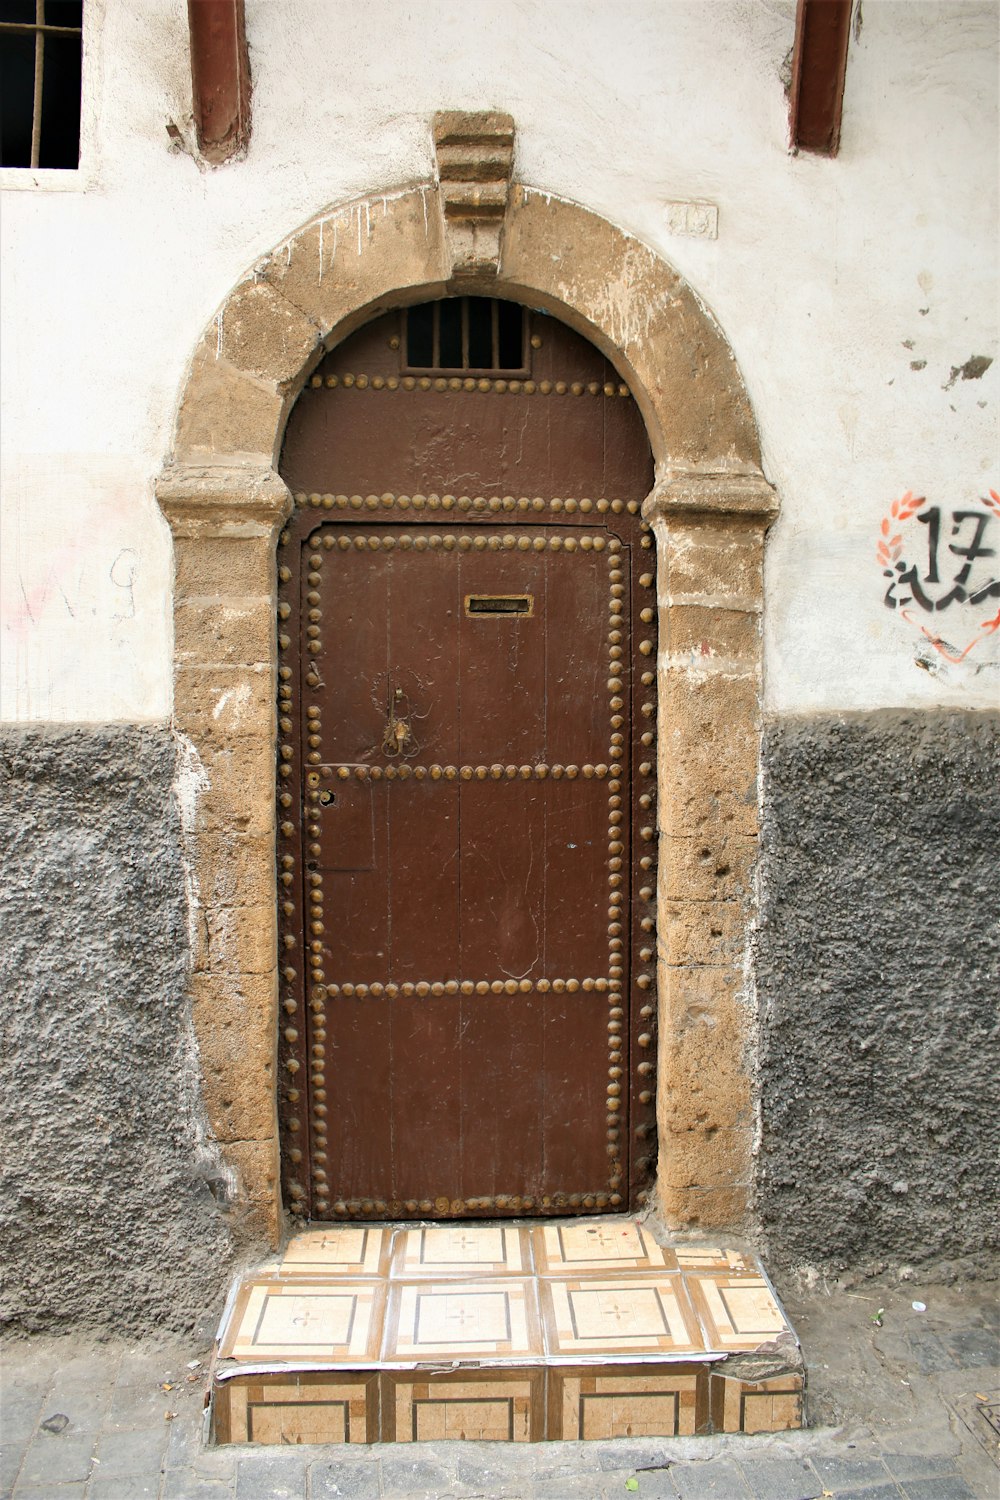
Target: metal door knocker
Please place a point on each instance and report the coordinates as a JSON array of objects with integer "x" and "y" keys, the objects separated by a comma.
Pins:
[{"x": 398, "y": 738}]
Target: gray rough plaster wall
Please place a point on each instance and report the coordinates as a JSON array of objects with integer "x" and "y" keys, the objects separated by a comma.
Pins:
[
  {"x": 110, "y": 1213},
  {"x": 878, "y": 979}
]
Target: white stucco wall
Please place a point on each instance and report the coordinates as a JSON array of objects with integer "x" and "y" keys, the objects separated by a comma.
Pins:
[{"x": 830, "y": 279}]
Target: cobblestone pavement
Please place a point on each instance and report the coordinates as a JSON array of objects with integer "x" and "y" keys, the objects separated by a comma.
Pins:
[{"x": 896, "y": 1397}]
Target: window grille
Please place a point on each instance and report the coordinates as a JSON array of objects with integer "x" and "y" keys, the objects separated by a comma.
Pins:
[
  {"x": 474, "y": 335},
  {"x": 41, "y": 49}
]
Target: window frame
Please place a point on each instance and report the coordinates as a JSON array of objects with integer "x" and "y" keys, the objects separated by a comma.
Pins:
[{"x": 83, "y": 175}]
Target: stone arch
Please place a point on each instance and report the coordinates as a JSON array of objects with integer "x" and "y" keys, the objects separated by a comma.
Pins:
[{"x": 710, "y": 506}]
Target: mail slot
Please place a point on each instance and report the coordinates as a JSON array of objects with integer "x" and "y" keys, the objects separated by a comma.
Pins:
[{"x": 499, "y": 604}]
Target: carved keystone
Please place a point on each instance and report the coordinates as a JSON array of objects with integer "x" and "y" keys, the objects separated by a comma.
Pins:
[{"x": 475, "y": 153}]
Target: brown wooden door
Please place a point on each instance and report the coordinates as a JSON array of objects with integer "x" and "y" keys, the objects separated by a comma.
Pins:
[{"x": 467, "y": 921}]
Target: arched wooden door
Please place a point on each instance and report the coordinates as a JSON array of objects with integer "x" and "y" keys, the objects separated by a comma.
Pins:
[{"x": 466, "y": 775}]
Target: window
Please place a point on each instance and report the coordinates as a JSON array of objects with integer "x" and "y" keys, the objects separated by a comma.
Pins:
[
  {"x": 41, "y": 47},
  {"x": 477, "y": 335}
]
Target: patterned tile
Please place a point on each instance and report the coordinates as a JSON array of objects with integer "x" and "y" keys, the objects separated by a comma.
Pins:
[
  {"x": 340, "y": 1250},
  {"x": 484, "y": 1406},
  {"x": 598, "y": 1247},
  {"x": 593, "y": 1319},
  {"x": 583, "y": 1330},
  {"x": 634, "y": 1402},
  {"x": 763, "y": 1406},
  {"x": 448, "y": 1320},
  {"x": 737, "y": 1312},
  {"x": 461, "y": 1250},
  {"x": 332, "y": 1322},
  {"x": 298, "y": 1408},
  {"x": 716, "y": 1258}
]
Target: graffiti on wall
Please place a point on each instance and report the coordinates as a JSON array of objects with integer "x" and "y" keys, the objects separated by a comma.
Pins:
[{"x": 943, "y": 569}]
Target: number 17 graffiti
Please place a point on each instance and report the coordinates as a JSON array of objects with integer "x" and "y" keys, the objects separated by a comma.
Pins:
[{"x": 957, "y": 566}]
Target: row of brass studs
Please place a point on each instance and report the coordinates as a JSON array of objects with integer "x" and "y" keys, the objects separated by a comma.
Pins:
[
  {"x": 425, "y": 987},
  {"x": 647, "y": 921},
  {"x": 291, "y": 1019},
  {"x": 413, "y": 1208},
  {"x": 496, "y": 772},
  {"x": 317, "y": 1053},
  {"x": 479, "y": 543},
  {"x": 317, "y": 927},
  {"x": 470, "y": 383},
  {"x": 616, "y": 848},
  {"x": 648, "y": 678},
  {"x": 477, "y": 504},
  {"x": 483, "y": 542}
]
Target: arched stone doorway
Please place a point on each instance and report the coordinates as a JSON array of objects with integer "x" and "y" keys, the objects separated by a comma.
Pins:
[
  {"x": 466, "y": 774},
  {"x": 709, "y": 508}
]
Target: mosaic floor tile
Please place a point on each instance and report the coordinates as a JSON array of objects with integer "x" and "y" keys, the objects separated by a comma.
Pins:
[
  {"x": 647, "y": 1401},
  {"x": 486, "y": 1406},
  {"x": 614, "y": 1318},
  {"x": 598, "y": 1247},
  {"x": 449, "y": 1320},
  {"x": 738, "y": 1313},
  {"x": 333, "y": 1322},
  {"x": 461, "y": 1250},
  {"x": 762, "y": 1406},
  {"x": 301, "y": 1408},
  {"x": 340, "y": 1250}
]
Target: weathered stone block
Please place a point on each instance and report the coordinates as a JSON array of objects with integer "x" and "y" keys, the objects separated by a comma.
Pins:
[
  {"x": 708, "y": 1157},
  {"x": 235, "y": 1021},
  {"x": 708, "y": 752},
  {"x": 234, "y": 1003},
  {"x": 262, "y": 333},
  {"x": 234, "y": 870},
  {"x": 215, "y": 705},
  {"x": 711, "y": 562},
  {"x": 242, "y": 939},
  {"x": 360, "y": 254},
  {"x": 256, "y": 1162},
  {"x": 224, "y": 566},
  {"x": 703, "y": 1207},
  {"x": 703, "y": 1067},
  {"x": 699, "y": 933},
  {"x": 230, "y": 630},
  {"x": 709, "y": 640},
  {"x": 709, "y": 867},
  {"x": 226, "y": 411},
  {"x": 240, "y": 793}
]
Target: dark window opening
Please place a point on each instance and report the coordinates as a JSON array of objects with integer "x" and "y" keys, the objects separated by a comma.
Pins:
[
  {"x": 41, "y": 51},
  {"x": 476, "y": 335}
]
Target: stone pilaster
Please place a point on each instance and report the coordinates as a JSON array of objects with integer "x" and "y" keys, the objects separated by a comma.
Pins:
[
  {"x": 709, "y": 533},
  {"x": 224, "y": 520}
]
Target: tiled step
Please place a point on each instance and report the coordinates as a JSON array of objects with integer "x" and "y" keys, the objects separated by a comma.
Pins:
[{"x": 575, "y": 1329}]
